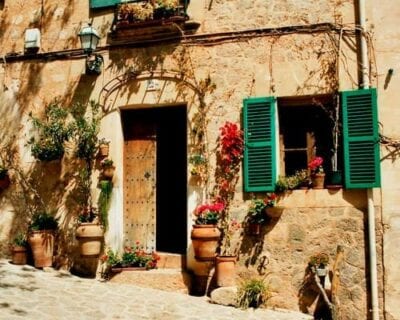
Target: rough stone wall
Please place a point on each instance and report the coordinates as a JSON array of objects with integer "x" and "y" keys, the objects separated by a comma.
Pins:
[{"x": 287, "y": 65}]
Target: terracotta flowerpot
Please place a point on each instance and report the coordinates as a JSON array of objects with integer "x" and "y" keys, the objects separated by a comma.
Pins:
[
  {"x": 205, "y": 241},
  {"x": 318, "y": 180},
  {"x": 90, "y": 236},
  {"x": 108, "y": 173},
  {"x": 19, "y": 255},
  {"x": 225, "y": 270},
  {"x": 104, "y": 150},
  {"x": 42, "y": 245}
]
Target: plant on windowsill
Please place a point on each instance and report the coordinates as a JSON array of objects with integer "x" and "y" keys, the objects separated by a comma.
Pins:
[
  {"x": 205, "y": 234},
  {"x": 165, "y": 9},
  {"x": 317, "y": 172}
]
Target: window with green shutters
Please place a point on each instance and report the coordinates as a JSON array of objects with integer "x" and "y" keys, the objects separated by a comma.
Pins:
[
  {"x": 361, "y": 139},
  {"x": 260, "y": 148},
  {"x": 103, "y": 3}
]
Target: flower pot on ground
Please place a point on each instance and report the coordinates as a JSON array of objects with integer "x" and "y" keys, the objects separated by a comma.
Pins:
[
  {"x": 205, "y": 235},
  {"x": 19, "y": 250},
  {"x": 41, "y": 239},
  {"x": 89, "y": 233},
  {"x": 225, "y": 272}
]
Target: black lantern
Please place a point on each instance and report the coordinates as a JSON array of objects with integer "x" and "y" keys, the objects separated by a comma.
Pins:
[{"x": 89, "y": 39}]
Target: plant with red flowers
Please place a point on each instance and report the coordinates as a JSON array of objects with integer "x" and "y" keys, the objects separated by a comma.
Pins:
[
  {"x": 131, "y": 257},
  {"x": 209, "y": 213},
  {"x": 315, "y": 165},
  {"x": 229, "y": 156}
]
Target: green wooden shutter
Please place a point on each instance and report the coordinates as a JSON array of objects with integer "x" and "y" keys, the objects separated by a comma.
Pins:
[
  {"x": 259, "y": 152},
  {"x": 103, "y": 3},
  {"x": 361, "y": 139}
]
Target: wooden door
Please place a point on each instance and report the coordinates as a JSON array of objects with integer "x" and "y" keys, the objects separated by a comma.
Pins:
[{"x": 140, "y": 183}]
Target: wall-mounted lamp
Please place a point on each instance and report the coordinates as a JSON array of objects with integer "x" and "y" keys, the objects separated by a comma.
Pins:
[{"x": 89, "y": 39}]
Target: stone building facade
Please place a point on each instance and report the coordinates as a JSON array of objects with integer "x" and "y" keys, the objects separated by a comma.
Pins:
[{"x": 190, "y": 76}]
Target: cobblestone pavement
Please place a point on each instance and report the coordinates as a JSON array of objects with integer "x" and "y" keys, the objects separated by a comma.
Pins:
[{"x": 30, "y": 293}]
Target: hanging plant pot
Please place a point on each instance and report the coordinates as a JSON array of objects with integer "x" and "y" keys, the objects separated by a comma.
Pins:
[
  {"x": 225, "y": 270},
  {"x": 42, "y": 245},
  {"x": 104, "y": 150},
  {"x": 321, "y": 271},
  {"x": 205, "y": 239},
  {"x": 108, "y": 173},
  {"x": 90, "y": 236}
]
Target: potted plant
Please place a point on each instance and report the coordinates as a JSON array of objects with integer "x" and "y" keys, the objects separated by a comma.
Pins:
[
  {"x": 4, "y": 178},
  {"x": 205, "y": 233},
  {"x": 41, "y": 238},
  {"x": 252, "y": 292},
  {"x": 132, "y": 258},
  {"x": 104, "y": 147},
  {"x": 257, "y": 214},
  {"x": 53, "y": 132},
  {"x": 317, "y": 172},
  {"x": 108, "y": 169},
  {"x": 318, "y": 264},
  {"x": 165, "y": 9},
  {"x": 89, "y": 233},
  {"x": 19, "y": 249}
]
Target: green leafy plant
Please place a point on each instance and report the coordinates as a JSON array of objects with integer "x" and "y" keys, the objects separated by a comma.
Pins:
[
  {"x": 107, "y": 163},
  {"x": 291, "y": 182},
  {"x": 86, "y": 128},
  {"x": 131, "y": 257},
  {"x": 256, "y": 213},
  {"x": 20, "y": 240},
  {"x": 87, "y": 215},
  {"x": 53, "y": 132},
  {"x": 252, "y": 292},
  {"x": 104, "y": 200},
  {"x": 43, "y": 221}
]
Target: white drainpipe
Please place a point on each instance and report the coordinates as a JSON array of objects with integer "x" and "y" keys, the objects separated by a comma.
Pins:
[{"x": 371, "y": 208}]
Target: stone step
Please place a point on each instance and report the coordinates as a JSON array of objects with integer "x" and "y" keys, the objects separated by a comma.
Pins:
[
  {"x": 167, "y": 279},
  {"x": 171, "y": 261}
]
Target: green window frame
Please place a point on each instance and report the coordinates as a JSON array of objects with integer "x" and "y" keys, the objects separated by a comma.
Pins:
[
  {"x": 94, "y": 4},
  {"x": 361, "y": 139},
  {"x": 260, "y": 144}
]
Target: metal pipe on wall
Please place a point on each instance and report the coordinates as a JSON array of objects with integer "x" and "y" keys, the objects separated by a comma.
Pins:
[{"x": 371, "y": 208}]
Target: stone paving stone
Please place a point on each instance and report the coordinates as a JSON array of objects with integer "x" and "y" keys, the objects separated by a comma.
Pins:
[{"x": 29, "y": 293}]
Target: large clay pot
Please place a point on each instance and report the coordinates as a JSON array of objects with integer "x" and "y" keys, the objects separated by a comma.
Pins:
[
  {"x": 42, "y": 245},
  {"x": 19, "y": 255},
  {"x": 205, "y": 240},
  {"x": 225, "y": 270},
  {"x": 90, "y": 236}
]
